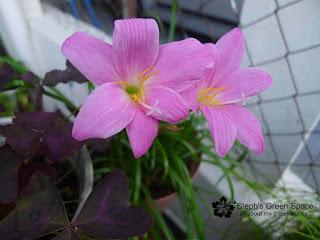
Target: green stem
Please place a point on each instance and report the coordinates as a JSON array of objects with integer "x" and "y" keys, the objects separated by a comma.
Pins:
[
  {"x": 56, "y": 94},
  {"x": 172, "y": 29}
]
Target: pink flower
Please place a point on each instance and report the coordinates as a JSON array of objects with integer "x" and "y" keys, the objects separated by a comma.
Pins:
[
  {"x": 138, "y": 81},
  {"x": 223, "y": 91}
]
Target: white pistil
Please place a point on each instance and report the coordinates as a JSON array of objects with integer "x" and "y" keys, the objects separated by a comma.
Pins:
[
  {"x": 153, "y": 108},
  {"x": 243, "y": 99}
]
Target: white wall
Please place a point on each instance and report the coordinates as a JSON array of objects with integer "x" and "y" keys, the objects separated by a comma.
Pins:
[{"x": 33, "y": 33}]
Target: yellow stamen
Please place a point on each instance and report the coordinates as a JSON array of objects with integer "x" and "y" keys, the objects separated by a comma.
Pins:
[
  {"x": 207, "y": 96},
  {"x": 136, "y": 91},
  {"x": 123, "y": 83},
  {"x": 147, "y": 73},
  {"x": 147, "y": 70}
]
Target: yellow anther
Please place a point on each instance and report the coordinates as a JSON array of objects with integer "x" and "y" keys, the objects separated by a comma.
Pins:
[
  {"x": 147, "y": 70},
  {"x": 207, "y": 96},
  {"x": 146, "y": 74},
  {"x": 123, "y": 83},
  {"x": 135, "y": 89}
]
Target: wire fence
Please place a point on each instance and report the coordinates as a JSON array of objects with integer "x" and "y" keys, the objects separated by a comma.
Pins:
[
  {"x": 305, "y": 162},
  {"x": 207, "y": 20}
]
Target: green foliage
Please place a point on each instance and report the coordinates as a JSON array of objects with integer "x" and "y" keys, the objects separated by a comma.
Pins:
[
  {"x": 305, "y": 227},
  {"x": 163, "y": 170},
  {"x": 25, "y": 93},
  {"x": 19, "y": 67},
  {"x": 9, "y": 103},
  {"x": 173, "y": 20}
]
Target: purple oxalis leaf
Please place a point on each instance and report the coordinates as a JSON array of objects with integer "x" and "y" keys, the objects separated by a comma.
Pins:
[
  {"x": 24, "y": 141},
  {"x": 58, "y": 142},
  {"x": 39, "y": 211},
  {"x": 31, "y": 78},
  {"x": 68, "y": 234},
  {"x": 55, "y": 77},
  {"x": 36, "y": 93},
  {"x": 7, "y": 74},
  {"x": 40, "y": 133},
  {"x": 107, "y": 212},
  {"x": 98, "y": 144},
  {"x": 9, "y": 164},
  {"x": 2, "y": 108},
  {"x": 5, "y": 209},
  {"x": 27, "y": 170},
  {"x": 36, "y": 120}
]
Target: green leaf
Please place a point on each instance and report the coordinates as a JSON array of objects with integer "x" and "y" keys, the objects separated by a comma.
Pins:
[{"x": 173, "y": 19}]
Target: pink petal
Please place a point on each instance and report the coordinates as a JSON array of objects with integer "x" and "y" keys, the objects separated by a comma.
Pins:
[
  {"x": 208, "y": 80},
  {"x": 190, "y": 94},
  {"x": 242, "y": 84},
  {"x": 135, "y": 46},
  {"x": 91, "y": 56},
  {"x": 180, "y": 64},
  {"x": 223, "y": 129},
  {"x": 165, "y": 104},
  {"x": 249, "y": 130},
  {"x": 231, "y": 49},
  {"x": 141, "y": 132},
  {"x": 190, "y": 97},
  {"x": 106, "y": 112}
]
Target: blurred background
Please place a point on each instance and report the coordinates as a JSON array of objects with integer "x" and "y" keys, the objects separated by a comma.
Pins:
[{"x": 282, "y": 37}]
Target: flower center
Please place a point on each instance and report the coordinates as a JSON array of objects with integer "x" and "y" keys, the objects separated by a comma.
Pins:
[
  {"x": 134, "y": 92},
  {"x": 207, "y": 96},
  {"x": 135, "y": 87}
]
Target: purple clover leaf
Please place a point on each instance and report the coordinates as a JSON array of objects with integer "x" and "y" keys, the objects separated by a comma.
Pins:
[
  {"x": 51, "y": 79},
  {"x": 8, "y": 174},
  {"x": 39, "y": 133},
  {"x": 68, "y": 234},
  {"x": 55, "y": 77},
  {"x": 39, "y": 211},
  {"x": 98, "y": 144},
  {"x": 108, "y": 210},
  {"x": 27, "y": 170},
  {"x": 2, "y": 108},
  {"x": 31, "y": 78},
  {"x": 106, "y": 213},
  {"x": 7, "y": 74}
]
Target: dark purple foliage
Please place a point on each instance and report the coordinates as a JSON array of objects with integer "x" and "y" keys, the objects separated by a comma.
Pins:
[
  {"x": 51, "y": 79},
  {"x": 9, "y": 163},
  {"x": 107, "y": 212},
  {"x": 27, "y": 170},
  {"x": 7, "y": 74},
  {"x": 31, "y": 78},
  {"x": 5, "y": 209},
  {"x": 68, "y": 234},
  {"x": 98, "y": 144},
  {"x": 39, "y": 211},
  {"x": 55, "y": 77},
  {"x": 2, "y": 108},
  {"x": 40, "y": 133}
]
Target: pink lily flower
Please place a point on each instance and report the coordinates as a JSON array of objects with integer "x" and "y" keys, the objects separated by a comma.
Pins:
[
  {"x": 223, "y": 91},
  {"x": 138, "y": 81}
]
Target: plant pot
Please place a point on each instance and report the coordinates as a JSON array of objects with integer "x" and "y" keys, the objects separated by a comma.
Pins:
[{"x": 165, "y": 201}]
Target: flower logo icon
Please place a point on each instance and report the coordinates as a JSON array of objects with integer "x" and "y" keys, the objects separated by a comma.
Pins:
[{"x": 223, "y": 207}]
